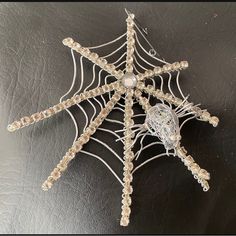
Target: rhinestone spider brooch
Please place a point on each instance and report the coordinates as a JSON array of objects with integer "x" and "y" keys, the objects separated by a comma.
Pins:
[{"x": 162, "y": 120}]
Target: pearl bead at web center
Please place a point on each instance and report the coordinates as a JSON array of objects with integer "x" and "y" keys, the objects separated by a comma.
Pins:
[{"x": 129, "y": 80}]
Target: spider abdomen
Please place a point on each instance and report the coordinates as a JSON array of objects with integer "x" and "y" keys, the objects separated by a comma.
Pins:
[{"x": 163, "y": 122}]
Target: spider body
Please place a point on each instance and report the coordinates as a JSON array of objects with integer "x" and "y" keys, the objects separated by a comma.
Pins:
[{"x": 163, "y": 122}]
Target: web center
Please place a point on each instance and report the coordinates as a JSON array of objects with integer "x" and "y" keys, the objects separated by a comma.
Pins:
[{"x": 129, "y": 80}]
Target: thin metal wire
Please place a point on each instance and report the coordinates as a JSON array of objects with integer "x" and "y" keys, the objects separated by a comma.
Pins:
[
  {"x": 148, "y": 160},
  {"x": 141, "y": 146},
  {"x": 81, "y": 85},
  {"x": 184, "y": 122},
  {"x": 138, "y": 115},
  {"x": 178, "y": 86},
  {"x": 157, "y": 59},
  {"x": 169, "y": 84},
  {"x": 108, "y": 43},
  {"x": 119, "y": 109},
  {"x": 139, "y": 134},
  {"x": 181, "y": 104},
  {"x": 141, "y": 30},
  {"x": 184, "y": 108},
  {"x": 136, "y": 70},
  {"x": 147, "y": 146},
  {"x": 187, "y": 114},
  {"x": 124, "y": 129},
  {"x": 92, "y": 82},
  {"x": 135, "y": 60},
  {"x": 94, "y": 108},
  {"x": 111, "y": 132},
  {"x": 99, "y": 82},
  {"x": 130, "y": 134},
  {"x": 144, "y": 60},
  {"x": 118, "y": 49},
  {"x": 71, "y": 87},
  {"x": 100, "y": 159},
  {"x": 162, "y": 82},
  {"x": 114, "y": 121},
  {"x": 110, "y": 149}
]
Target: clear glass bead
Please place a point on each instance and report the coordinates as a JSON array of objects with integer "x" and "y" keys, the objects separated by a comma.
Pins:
[
  {"x": 25, "y": 120},
  {"x": 124, "y": 221}
]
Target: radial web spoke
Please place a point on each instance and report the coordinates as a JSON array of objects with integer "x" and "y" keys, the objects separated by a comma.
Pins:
[
  {"x": 78, "y": 144},
  {"x": 93, "y": 57},
  {"x": 36, "y": 117},
  {"x": 128, "y": 157},
  {"x": 200, "y": 174},
  {"x": 164, "y": 69},
  {"x": 202, "y": 114}
]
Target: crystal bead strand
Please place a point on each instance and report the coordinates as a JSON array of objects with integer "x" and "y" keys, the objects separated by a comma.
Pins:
[
  {"x": 128, "y": 158},
  {"x": 78, "y": 144},
  {"x": 130, "y": 43},
  {"x": 200, "y": 174},
  {"x": 142, "y": 100},
  {"x": 93, "y": 57},
  {"x": 164, "y": 69},
  {"x": 159, "y": 94},
  {"x": 36, "y": 117},
  {"x": 128, "y": 123}
]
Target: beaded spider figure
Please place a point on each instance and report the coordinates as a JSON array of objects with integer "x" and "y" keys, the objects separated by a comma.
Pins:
[{"x": 161, "y": 120}]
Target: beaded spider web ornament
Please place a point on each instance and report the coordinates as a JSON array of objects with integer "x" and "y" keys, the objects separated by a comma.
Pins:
[{"x": 162, "y": 120}]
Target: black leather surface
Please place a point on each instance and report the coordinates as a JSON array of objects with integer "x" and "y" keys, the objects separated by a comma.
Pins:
[{"x": 36, "y": 69}]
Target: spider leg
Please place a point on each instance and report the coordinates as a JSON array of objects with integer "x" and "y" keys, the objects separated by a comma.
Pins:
[
  {"x": 140, "y": 134},
  {"x": 184, "y": 122},
  {"x": 182, "y": 104},
  {"x": 132, "y": 133},
  {"x": 134, "y": 126}
]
